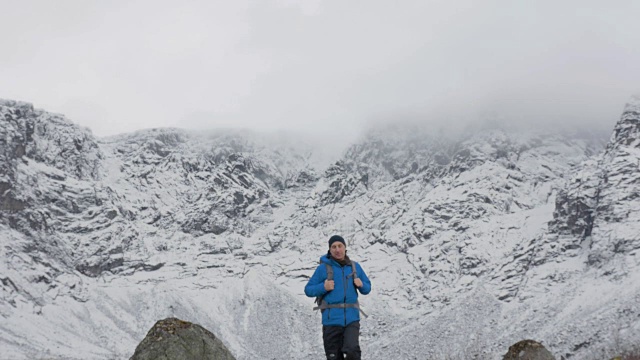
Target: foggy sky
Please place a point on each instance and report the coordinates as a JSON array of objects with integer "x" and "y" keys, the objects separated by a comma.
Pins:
[{"x": 327, "y": 67}]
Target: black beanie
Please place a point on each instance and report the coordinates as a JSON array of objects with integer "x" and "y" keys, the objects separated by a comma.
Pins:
[{"x": 335, "y": 238}]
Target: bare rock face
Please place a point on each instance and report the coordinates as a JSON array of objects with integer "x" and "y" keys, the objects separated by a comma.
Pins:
[
  {"x": 174, "y": 339},
  {"x": 528, "y": 350}
]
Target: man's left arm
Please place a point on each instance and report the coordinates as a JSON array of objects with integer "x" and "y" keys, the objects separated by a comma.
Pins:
[{"x": 366, "y": 283}]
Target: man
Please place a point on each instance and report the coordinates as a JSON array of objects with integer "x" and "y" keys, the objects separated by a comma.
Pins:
[{"x": 339, "y": 302}]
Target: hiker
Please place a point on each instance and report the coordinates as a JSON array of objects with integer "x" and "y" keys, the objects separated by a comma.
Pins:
[{"x": 335, "y": 284}]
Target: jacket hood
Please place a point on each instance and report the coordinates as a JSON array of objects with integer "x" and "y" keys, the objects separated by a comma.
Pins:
[{"x": 327, "y": 259}]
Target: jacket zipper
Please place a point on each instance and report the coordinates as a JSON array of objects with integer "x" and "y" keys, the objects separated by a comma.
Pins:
[{"x": 344, "y": 280}]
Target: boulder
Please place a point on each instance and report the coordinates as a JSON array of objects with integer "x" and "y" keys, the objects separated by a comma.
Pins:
[
  {"x": 174, "y": 339},
  {"x": 528, "y": 350}
]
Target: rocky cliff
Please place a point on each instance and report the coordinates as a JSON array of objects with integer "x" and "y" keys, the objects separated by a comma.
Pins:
[{"x": 473, "y": 240}]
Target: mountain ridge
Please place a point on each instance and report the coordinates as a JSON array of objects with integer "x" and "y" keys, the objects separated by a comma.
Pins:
[{"x": 453, "y": 231}]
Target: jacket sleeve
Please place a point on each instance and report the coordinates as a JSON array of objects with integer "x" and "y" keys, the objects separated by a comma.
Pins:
[
  {"x": 315, "y": 285},
  {"x": 366, "y": 283}
]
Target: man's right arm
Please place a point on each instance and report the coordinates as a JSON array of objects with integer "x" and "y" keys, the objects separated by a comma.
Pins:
[{"x": 315, "y": 285}]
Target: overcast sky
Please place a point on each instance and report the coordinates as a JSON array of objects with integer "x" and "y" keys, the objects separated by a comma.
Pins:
[{"x": 321, "y": 66}]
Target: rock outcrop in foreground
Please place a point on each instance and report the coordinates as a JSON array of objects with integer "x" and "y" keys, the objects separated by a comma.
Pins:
[
  {"x": 174, "y": 339},
  {"x": 528, "y": 350}
]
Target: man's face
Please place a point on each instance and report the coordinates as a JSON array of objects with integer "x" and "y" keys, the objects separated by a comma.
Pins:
[{"x": 338, "y": 250}]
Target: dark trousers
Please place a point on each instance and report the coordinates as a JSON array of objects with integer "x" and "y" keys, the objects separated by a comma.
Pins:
[{"x": 340, "y": 341}]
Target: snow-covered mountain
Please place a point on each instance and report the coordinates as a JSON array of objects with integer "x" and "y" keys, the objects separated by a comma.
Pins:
[{"x": 473, "y": 240}]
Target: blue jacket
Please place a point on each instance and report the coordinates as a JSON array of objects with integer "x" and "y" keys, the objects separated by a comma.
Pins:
[{"x": 344, "y": 291}]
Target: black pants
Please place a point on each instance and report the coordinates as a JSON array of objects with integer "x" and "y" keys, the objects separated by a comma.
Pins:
[{"x": 340, "y": 341}]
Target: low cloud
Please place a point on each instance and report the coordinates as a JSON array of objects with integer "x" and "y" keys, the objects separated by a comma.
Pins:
[{"x": 322, "y": 67}]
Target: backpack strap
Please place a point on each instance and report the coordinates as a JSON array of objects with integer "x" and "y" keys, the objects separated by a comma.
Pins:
[
  {"x": 329, "y": 271},
  {"x": 354, "y": 272},
  {"x": 323, "y": 305},
  {"x": 320, "y": 299}
]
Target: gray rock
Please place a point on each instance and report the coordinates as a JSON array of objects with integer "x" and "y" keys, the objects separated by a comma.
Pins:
[
  {"x": 528, "y": 350},
  {"x": 174, "y": 339}
]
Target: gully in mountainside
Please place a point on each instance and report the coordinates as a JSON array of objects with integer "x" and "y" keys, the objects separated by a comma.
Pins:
[{"x": 337, "y": 298}]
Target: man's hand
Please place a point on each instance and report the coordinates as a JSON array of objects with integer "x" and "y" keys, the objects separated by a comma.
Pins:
[
  {"x": 328, "y": 285},
  {"x": 357, "y": 282}
]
